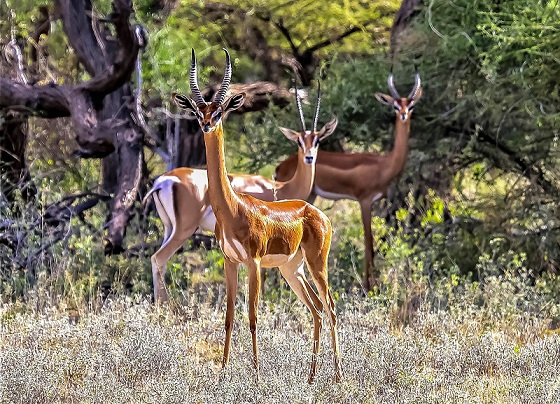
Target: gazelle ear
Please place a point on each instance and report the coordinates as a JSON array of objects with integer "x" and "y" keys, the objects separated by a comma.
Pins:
[
  {"x": 184, "y": 102},
  {"x": 289, "y": 133},
  {"x": 384, "y": 99},
  {"x": 233, "y": 102},
  {"x": 328, "y": 129}
]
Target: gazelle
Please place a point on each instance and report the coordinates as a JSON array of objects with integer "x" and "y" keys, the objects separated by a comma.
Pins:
[
  {"x": 364, "y": 177},
  {"x": 182, "y": 202},
  {"x": 258, "y": 233}
]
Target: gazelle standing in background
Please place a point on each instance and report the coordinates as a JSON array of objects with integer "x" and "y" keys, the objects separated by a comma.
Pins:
[
  {"x": 183, "y": 205},
  {"x": 363, "y": 177}
]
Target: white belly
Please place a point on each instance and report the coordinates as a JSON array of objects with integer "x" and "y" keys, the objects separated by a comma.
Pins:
[
  {"x": 275, "y": 260},
  {"x": 208, "y": 221},
  {"x": 331, "y": 195}
]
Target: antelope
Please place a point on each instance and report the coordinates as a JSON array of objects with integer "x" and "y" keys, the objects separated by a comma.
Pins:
[
  {"x": 259, "y": 233},
  {"x": 364, "y": 177},
  {"x": 183, "y": 205}
]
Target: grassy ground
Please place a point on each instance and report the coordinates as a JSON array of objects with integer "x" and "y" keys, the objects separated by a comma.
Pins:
[{"x": 129, "y": 351}]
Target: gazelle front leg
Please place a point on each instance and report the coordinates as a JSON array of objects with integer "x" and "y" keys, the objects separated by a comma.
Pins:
[
  {"x": 230, "y": 272},
  {"x": 370, "y": 278},
  {"x": 254, "y": 290}
]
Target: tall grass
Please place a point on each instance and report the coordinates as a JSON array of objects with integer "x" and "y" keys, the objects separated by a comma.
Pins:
[
  {"x": 83, "y": 328},
  {"x": 130, "y": 351}
]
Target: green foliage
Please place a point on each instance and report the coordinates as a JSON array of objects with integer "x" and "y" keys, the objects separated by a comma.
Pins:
[{"x": 19, "y": 16}]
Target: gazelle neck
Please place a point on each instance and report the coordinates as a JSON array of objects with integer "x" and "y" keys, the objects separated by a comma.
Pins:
[
  {"x": 400, "y": 148},
  {"x": 300, "y": 185},
  {"x": 223, "y": 199}
]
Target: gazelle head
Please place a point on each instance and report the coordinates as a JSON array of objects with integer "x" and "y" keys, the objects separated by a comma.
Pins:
[
  {"x": 308, "y": 140},
  {"x": 209, "y": 114},
  {"x": 403, "y": 106}
]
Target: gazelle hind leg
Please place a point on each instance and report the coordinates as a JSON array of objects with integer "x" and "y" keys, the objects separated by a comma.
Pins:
[
  {"x": 160, "y": 259},
  {"x": 319, "y": 273},
  {"x": 177, "y": 230},
  {"x": 295, "y": 276}
]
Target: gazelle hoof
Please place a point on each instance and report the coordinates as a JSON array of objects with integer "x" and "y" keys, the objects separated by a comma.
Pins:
[{"x": 338, "y": 377}]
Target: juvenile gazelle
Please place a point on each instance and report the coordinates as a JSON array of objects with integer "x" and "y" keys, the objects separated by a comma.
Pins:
[
  {"x": 183, "y": 205},
  {"x": 364, "y": 177},
  {"x": 261, "y": 234}
]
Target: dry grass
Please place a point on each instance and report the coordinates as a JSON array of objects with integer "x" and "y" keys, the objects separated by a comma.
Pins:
[{"x": 132, "y": 352}]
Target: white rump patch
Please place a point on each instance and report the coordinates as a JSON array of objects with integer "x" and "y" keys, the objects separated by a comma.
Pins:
[{"x": 164, "y": 204}]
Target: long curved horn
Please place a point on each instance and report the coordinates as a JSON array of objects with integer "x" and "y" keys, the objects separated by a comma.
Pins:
[
  {"x": 391, "y": 86},
  {"x": 417, "y": 83},
  {"x": 197, "y": 95},
  {"x": 219, "y": 97},
  {"x": 298, "y": 103},
  {"x": 316, "y": 117}
]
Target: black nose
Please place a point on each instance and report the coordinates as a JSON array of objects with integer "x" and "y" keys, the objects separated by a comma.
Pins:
[
  {"x": 309, "y": 159},
  {"x": 206, "y": 127},
  {"x": 403, "y": 117}
]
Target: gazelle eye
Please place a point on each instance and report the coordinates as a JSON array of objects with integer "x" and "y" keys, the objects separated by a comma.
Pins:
[
  {"x": 218, "y": 116},
  {"x": 300, "y": 142},
  {"x": 315, "y": 141},
  {"x": 411, "y": 107}
]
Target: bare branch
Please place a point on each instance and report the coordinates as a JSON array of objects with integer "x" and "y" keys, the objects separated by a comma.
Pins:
[
  {"x": 120, "y": 71},
  {"x": 284, "y": 31},
  {"x": 338, "y": 38}
]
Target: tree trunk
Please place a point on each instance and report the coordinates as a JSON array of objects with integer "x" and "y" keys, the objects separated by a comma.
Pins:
[{"x": 13, "y": 170}]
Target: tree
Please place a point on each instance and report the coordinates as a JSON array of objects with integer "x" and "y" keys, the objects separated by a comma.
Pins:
[{"x": 106, "y": 113}]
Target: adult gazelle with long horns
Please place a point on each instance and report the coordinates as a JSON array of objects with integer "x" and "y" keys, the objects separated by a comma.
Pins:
[{"x": 257, "y": 233}]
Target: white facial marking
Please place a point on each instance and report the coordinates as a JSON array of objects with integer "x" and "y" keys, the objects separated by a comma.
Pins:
[{"x": 312, "y": 152}]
